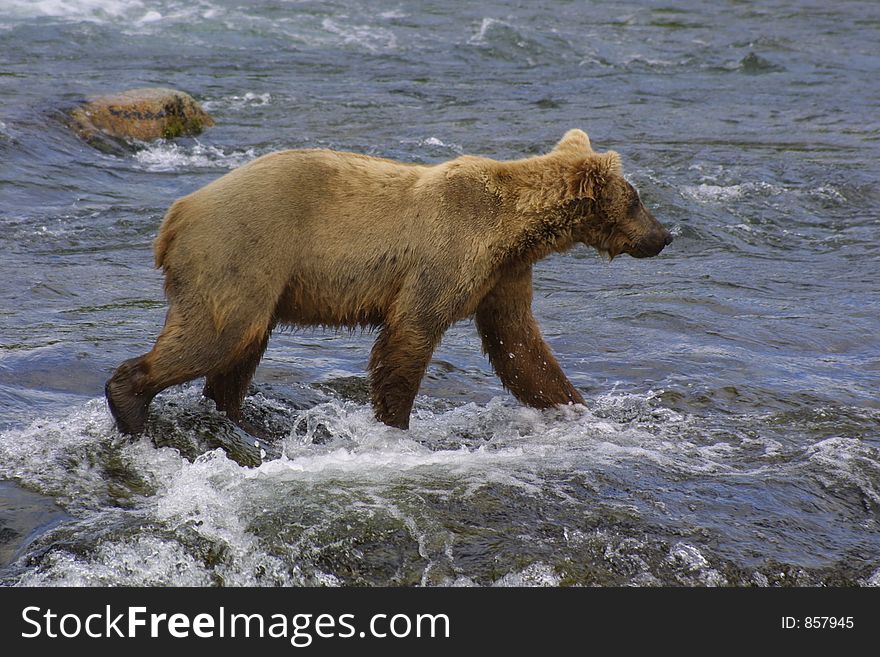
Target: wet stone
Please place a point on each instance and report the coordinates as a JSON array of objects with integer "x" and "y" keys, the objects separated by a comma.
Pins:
[
  {"x": 141, "y": 114},
  {"x": 24, "y": 516}
]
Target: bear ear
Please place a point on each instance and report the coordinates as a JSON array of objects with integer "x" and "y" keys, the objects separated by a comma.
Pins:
[
  {"x": 589, "y": 175},
  {"x": 609, "y": 164},
  {"x": 547, "y": 181},
  {"x": 574, "y": 141}
]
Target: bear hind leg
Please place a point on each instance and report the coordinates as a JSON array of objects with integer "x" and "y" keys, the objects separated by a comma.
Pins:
[
  {"x": 183, "y": 351},
  {"x": 129, "y": 396}
]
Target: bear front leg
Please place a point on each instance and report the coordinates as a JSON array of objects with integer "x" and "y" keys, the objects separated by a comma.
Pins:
[
  {"x": 398, "y": 363},
  {"x": 512, "y": 340}
]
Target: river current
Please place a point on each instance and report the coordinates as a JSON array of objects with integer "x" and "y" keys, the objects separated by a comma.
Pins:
[{"x": 732, "y": 428}]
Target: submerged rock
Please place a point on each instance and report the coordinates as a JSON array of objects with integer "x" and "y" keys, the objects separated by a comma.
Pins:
[
  {"x": 24, "y": 516},
  {"x": 753, "y": 64},
  {"x": 143, "y": 114}
]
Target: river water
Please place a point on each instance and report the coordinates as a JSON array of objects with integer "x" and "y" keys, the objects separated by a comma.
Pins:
[{"x": 732, "y": 428}]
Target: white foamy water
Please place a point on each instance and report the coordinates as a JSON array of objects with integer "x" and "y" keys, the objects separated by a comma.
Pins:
[
  {"x": 434, "y": 147},
  {"x": 690, "y": 561},
  {"x": 487, "y": 25},
  {"x": 708, "y": 193},
  {"x": 846, "y": 460},
  {"x": 371, "y": 38},
  {"x": 211, "y": 521},
  {"x": 236, "y": 103},
  {"x": 88, "y": 10},
  {"x": 450, "y": 148},
  {"x": 537, "y": 574},
  {"x": 473, "y": 443},
  {"x": 712, "y": 190},
  {"x": 135, "y": 17},
  {"x": 169, "y": 156}
]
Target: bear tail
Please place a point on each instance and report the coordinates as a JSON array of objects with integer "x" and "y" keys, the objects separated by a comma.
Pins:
[{"x": 167, "y": 232}]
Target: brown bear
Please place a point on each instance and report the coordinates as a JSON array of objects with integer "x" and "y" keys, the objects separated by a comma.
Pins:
[{"x": 325, "y": 238}]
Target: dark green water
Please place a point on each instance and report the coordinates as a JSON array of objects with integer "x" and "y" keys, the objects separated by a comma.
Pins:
[{"x": 732, "y": 434}]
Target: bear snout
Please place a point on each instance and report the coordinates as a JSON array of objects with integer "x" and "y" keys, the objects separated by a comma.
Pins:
[{"x": 651, "y": 244}]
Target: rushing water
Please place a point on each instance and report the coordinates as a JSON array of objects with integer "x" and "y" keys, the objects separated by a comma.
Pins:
[{"x": 732, "y": 432}]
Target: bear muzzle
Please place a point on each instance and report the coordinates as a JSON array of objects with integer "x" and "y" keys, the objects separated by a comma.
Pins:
[
  {"x": 651, "y": 244},
  {"x": 648, "y": 237}
]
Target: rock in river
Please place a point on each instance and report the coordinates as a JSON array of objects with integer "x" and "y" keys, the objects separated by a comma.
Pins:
[{"x": 143, "y": 114}]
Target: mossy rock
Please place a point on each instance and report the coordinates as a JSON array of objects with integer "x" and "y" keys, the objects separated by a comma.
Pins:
[{"x": 142, "y": 114}]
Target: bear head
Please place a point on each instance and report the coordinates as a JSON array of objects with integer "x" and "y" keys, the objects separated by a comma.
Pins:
[
  {"x": 586, "y": 193},
  {"x": 608, "y": 213}
]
